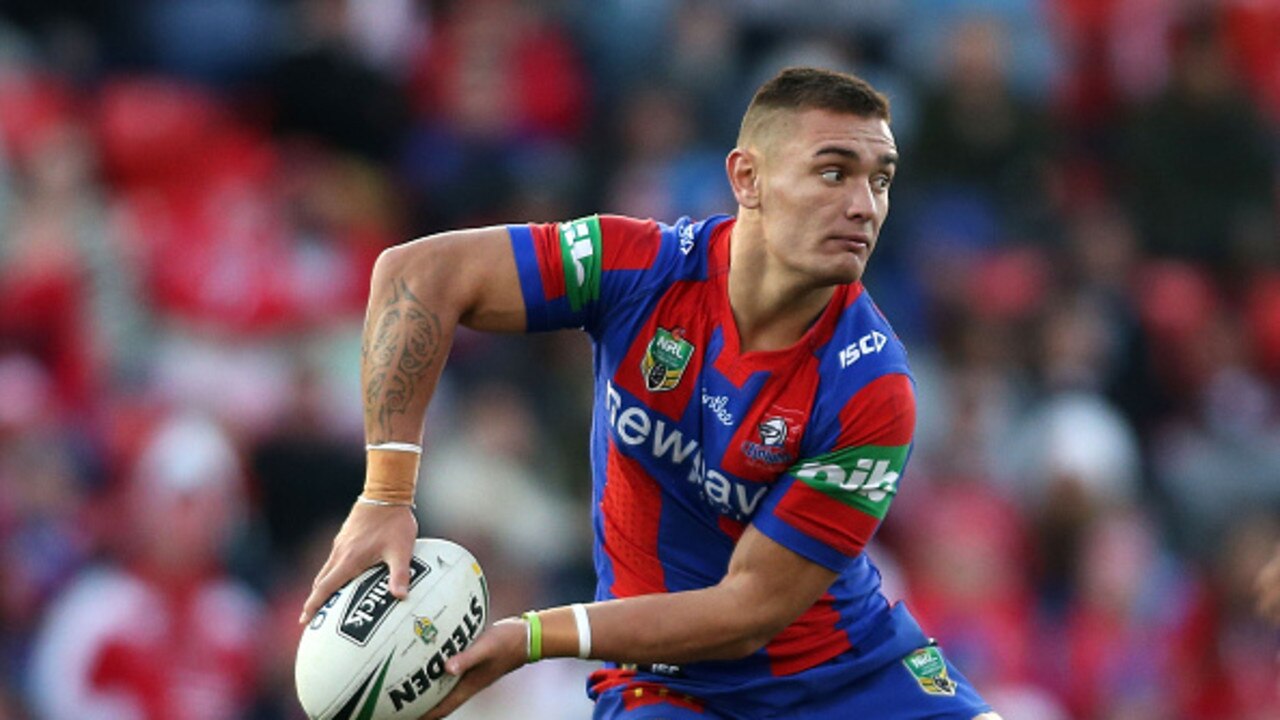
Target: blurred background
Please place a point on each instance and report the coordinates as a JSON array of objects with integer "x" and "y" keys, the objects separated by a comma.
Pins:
[{"x": 1083, "y": 260}]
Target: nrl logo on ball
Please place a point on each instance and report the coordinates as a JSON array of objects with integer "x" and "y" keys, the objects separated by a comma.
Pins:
[{"x": 425, "y": 631}]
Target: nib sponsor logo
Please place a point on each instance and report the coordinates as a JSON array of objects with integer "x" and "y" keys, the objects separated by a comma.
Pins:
[
  {"x": 868, "y": 476},
  {"x": 865, "y": 477}
]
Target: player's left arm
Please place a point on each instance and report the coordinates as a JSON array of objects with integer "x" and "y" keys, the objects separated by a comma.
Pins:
[
  {"x": 765, "y": 589},
  {"x": 817, "y": 520}
]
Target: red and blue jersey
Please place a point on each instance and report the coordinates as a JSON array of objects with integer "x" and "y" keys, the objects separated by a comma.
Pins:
[{"x": 693, "y": 439}]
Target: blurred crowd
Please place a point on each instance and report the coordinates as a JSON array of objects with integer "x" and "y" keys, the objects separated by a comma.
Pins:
[{"x": 1083, "y": 260}]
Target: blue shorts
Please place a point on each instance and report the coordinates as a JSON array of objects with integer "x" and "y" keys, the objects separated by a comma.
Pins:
[{"x": 915, "y": 688}]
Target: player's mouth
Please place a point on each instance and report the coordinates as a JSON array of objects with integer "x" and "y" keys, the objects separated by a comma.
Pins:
[{"x": 859, "y": 243}]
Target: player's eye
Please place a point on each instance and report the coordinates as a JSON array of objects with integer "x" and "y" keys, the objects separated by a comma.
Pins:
[
  {"x": 833, "y": 175},
  {"x": 881, "y": 182}
]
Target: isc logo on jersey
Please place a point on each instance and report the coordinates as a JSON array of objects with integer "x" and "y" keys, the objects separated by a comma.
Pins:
[{"x": 872, "y": 342}]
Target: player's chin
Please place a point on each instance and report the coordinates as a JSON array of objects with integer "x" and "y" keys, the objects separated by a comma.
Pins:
[{"x": 842, "y": 270}]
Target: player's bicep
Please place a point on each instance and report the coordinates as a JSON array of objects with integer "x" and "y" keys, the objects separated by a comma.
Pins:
[
  {"x": 474, "y": 269},
  {"x": 496, "y": 302}
]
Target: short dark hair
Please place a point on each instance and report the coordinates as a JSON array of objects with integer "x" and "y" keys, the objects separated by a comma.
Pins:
[{"x": 808, "y": 88}]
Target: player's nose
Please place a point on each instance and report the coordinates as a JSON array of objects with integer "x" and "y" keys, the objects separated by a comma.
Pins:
[{"x": 861, "y": 201}]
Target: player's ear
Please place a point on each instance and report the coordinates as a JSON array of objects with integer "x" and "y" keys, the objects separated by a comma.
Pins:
[{"x": 743, "y": 169}]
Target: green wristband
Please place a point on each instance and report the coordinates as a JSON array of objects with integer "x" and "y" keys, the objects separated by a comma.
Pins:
[{"x": 534, "y": 645}]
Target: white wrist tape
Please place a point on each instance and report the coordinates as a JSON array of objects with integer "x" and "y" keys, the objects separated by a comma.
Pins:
[
  {"x": 384, "y": 503},
  {"x": 583, "y": 622},
  {"x": 396, "y": 447}
]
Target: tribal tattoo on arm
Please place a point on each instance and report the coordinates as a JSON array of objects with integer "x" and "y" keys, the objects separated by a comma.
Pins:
[{"x": 404, "y": 344}]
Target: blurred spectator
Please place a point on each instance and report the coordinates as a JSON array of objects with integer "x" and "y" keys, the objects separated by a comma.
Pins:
[
  {"x": 976, "y": 137},
  {"x": 1222, "y": 454},
  {"x": 1234, "y": 651},
  {"x": 304, "y": 469},
  {"x": 63, "y": 298},
  {"x": 230, "y": 232},
  {"x": 702, "y": 63},
  {"x": 1032, "y": 56},
  {"x": 165, "y": 634},
  {"x": 1116, "y": 52},
  {"x": 1124, "y": 636},
  {"x": 978, "y": 393},
  {"x": 1103, "y": 256},
  {"x": 213, "y": 41},
  {"x": 1196, "y": 195},
  {"x": 324, "y": 88},
  {"x": 482, "y": 486},
  {"x": 1076, "y": 438},
  {"x": 1253, "y": 27},
  {"x": 963, "y": 547},
  {"x": 1075, "y": 457},
  {"x": 280, "y": 632},
  {"x": 662, "y": 172},
  {"x": 46, "y": 475},
  {"x": 498, "y": 86}
]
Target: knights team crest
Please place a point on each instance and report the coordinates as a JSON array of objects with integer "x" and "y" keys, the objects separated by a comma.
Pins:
[{"x": 665, "y": 359}]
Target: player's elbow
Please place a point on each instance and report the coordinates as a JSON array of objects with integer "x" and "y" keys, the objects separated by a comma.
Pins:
[
  {"x": 764, "y": 606},
  {"x": 754, "y": 626},
  {"x": 426, "y": 267},
  {"x": 748, "y": 639},
  {"x": 454, "y": 271},
  {"x": 410, "y": 259},
  {"x": 749, "y": 644}
]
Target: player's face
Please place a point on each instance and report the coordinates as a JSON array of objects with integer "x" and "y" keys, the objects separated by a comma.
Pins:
[{"x": 824, "y": 192}]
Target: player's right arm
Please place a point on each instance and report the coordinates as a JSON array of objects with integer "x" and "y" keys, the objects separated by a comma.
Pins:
[
  {"x": 419, "y": 293},
  {"x": 499, "y": 279}
]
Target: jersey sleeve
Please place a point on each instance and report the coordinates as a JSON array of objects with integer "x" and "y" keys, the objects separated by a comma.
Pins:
[
  {"x": 826, "y": 507},
  {"x": 572, "y": 273}
]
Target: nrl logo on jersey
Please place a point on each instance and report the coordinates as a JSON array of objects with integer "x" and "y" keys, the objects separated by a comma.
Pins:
[
  {"x": 665, "y": 359},
  {"x": 930, "y": 671}
]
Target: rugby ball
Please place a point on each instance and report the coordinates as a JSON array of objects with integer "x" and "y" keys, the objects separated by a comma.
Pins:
[{"x": 367, "y": 656}]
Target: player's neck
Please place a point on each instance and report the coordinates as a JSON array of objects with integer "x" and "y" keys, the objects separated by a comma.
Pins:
[{"x": 772, "y": 308}]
